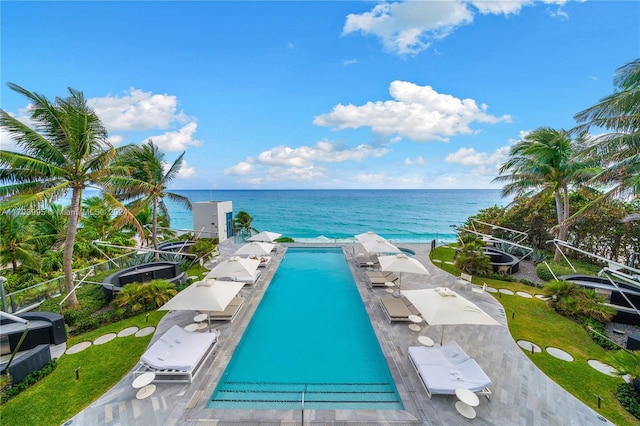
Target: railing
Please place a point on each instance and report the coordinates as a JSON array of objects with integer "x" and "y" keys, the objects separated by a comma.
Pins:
[{"x": 22, "y": 300}]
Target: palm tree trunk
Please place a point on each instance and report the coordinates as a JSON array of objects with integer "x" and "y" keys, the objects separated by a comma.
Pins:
[
  {"x": 154, "y": 231},
  {"x": 67, "y": 258},
  {"x": 14, "y": 261},
  {"x": 562, "y": 210}
]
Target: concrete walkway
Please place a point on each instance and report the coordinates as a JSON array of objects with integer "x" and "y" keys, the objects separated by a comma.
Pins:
[{"x": 522, "y": 394}]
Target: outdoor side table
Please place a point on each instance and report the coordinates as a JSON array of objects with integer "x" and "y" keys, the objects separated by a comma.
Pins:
[
  {"x": 143, "y": 382},
  {"x": 467, "y": 400},
  {"x": 415, "y": 321},
  {"x": 425, "y": 340},
  {"x": 390, "y": 286}
]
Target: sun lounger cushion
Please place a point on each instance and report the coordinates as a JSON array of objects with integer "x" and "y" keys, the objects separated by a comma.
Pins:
[
  {"x": 449, "y": 354},
  {"x": 398, "y": 309},
  {"x": 178, "y": 349},
  {"x": 230, "y": 311},
  {"x": 445, "y": 379}
]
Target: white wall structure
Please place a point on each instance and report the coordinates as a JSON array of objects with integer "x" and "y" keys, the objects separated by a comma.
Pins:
[{"x": 213, "y": 218}]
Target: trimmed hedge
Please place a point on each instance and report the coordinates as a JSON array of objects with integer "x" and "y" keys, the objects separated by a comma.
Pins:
[
  {"x": 629, "y": 397},
  {"x": 28, "y": 381}
]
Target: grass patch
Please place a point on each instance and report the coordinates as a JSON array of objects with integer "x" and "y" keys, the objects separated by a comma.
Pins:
[
  {"x": 534, "y": 320},
  {"x": 60, "y": 396}
]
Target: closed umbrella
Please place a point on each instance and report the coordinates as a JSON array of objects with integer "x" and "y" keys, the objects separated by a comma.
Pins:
[
  {"x": 401, "y": 263},
  {"x": 265, "y": 236},
  {"x": 235, "y": 267},
  {"x": 255, "y": 248},
  {"x": 207, "y": 295},
  {"x": 442, "y": 306}
]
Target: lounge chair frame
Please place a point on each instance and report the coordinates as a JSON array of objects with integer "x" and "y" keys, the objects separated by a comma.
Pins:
[
  {"x": 175, "y": 376},
  {"x": 484, "y": 391}
]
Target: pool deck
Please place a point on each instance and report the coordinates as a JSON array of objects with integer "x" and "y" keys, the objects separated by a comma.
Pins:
[{"x": 522, "y": 394}]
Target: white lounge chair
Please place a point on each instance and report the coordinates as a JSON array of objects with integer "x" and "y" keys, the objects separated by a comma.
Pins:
[
  {"x": 448, "y": 354},
  {"x": 177, "y": 356},
  {"x": 444, "y": 369},
  {"x": 230, "y": 312}
]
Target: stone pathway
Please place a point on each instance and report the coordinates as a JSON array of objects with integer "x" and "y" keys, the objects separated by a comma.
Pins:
[{"x": 105, "y": 338}]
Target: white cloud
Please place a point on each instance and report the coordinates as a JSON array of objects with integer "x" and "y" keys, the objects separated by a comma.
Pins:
[
  {"x": 471, "y": 157},
  {"x": 498, "y": 7},
  {"x": 137, "y": 110},
  {"x": 115, "y": 140},
  {"x": 240, "y": 169},
  {"x": 383, "y": 180},
  {"x": 412, "y": 162},
  {"x": 284, "y": 163},
  {"x": 322, "y": 151},
  {"x": 178, "y": 140},
  {"x": 418, "y": 112},
  {"x": 186, "y": 171},
  {"x": 412, "y": 26},
  {"x": 409, "y": 27}
]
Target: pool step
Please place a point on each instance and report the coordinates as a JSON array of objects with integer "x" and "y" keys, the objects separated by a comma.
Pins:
[{"x": 288, "y": 396}]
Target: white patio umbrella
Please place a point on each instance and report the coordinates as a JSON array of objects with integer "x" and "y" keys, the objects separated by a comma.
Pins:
[
  {"x": 401, "y": 263},
  {"x": 442, "y": 306},
  {"x": 265, "y": 236},
  {"x": 235, "y": 267},
  {"x": 368, "y": 236},
  {"x": 380, "y": 246},
  {"x": 206, "y": 295},
  {"x": 255, "y": 248}
]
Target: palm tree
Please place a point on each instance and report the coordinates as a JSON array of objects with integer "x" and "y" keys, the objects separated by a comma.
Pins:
[
  {"x": 149, "y": 184},
  {"x": 66, "y": 150},
  {"x": 17, "y": 241},
  {"x": 619, "y": 150},
  {"x": 544, "y": 164},
  {"x": 242, "y": 222}
]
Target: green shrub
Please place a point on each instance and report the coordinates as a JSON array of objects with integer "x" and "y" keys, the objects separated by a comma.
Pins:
[
  {"x": 543, "y": 272},
  {"x": 36, "y": 376},
  {"x": 531, "y": 283},
  {"x": 629, "y": 398},
  {"x": 136, "y": 297},
  {"x": 596, "y": 330},
  {"x": 284, "y": 240}
]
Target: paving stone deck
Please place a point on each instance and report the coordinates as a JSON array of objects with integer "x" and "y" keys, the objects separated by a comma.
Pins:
[{"x": 522, "y": 394}]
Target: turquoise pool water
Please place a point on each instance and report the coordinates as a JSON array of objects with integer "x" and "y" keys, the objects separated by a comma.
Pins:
[{"x": 310, "y": 332}]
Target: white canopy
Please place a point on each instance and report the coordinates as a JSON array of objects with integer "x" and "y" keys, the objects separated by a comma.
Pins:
[
  {"x": 265, "y": 236},
  {"x": 255, "y": 248},
  {"x": 442, "y": 305},
  {"x": 206, "y": 295},
  {"x": 235, "y": 267},
  {"x": 368, "y": 236},
  {"x": 402, "y": 263},
  {"x": 380, "y": 246}
]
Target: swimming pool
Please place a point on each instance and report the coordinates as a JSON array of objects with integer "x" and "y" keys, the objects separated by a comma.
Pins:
[{"x": 310, "y": 333}]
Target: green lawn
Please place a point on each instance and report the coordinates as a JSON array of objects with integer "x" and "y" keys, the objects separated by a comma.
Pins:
[
  {"x": 60, "y": 396},
  {"x": 533, "y": 320}
]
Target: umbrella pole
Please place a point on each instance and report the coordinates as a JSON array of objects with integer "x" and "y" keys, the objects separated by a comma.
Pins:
[
  {"x": 442, "y": 336},
  {"x": 397, "y": 294}
]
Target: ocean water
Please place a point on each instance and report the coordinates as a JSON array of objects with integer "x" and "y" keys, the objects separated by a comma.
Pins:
[{"x": 316, "y": 215}]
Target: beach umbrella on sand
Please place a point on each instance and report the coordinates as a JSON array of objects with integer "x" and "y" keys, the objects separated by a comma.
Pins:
[
  {"x": 442, "y": 306},
  {"x": 265, "y": 236},
  {"x": 235, "y": 267},
  {"x": 401, "y": 263},
  {"x": 255, "y": 248},
  {"x": 204, "y": 296},
  {"x": 368, "y": 236}
]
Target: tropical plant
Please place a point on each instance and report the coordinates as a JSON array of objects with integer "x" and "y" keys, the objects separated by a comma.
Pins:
[
  {"x": 137, "y": 297},
  {"x": 619, "y": 150},
  {"x": 471, "y": 257},
  {"x": 17, "y": 241},
  {"x": 544, "y": 164},
  {"x": 65, "y": 150},
  {"x": 625, "y": 363},
  {"x": 577, "y": 302},
  {"x": 151, "y": 176},
  {"x": 242, "y": 223}
]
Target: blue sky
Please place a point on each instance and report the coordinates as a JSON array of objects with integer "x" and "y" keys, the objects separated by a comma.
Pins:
[{"x": 327, "y": 94}]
